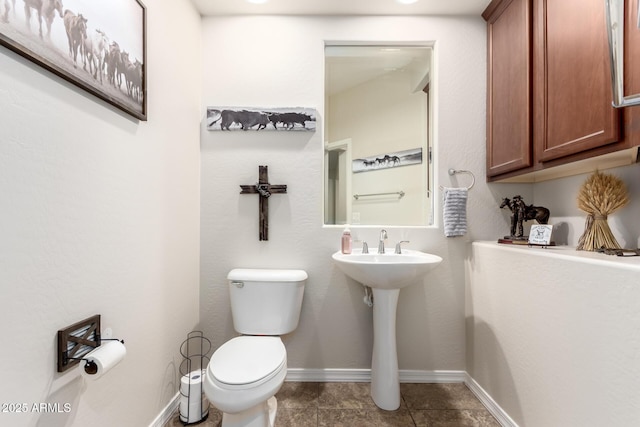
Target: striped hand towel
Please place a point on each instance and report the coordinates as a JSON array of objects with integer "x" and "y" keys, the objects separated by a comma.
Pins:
[{"x": 455, "y": 211}]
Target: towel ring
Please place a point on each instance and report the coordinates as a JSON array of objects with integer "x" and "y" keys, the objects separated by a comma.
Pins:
[{"x": 457, "y": 171}]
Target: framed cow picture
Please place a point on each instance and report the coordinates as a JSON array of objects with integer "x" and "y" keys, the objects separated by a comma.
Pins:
[
  {"x": 258, "y": 119},
  {"x": 98, "y": 45}
]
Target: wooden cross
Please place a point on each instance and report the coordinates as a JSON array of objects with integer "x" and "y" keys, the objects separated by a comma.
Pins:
[{"x": 264, "y": 189}]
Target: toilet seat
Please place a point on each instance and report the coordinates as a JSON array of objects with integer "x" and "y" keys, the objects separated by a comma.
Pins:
[{"x": 247, "y": 361}]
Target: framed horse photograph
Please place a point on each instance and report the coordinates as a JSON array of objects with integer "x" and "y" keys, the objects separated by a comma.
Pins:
[
  {"x": 387, "y": 160},
  {"x": 97, "y": 45}
]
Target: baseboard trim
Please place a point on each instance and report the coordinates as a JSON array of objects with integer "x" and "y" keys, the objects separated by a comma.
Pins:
[
  {"x": 414, "y": 376},
  {"x": 364, "y": 376},
  {"x": 328, "y": 375},
  {"x": 167, "y": 412},
  {"x": 499, "y": 414}
]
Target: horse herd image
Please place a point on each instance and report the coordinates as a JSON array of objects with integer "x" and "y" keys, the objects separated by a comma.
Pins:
[
  {"x": 388, "y": 160},
  {"x": 290, "y": 119},
  {"x": 521, "y": 212},
  {"x": 384, "y": 161},
  {"x": 99, "y": 56}
]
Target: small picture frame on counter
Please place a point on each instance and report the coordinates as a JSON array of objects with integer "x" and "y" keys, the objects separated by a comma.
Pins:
[{"x": 540, "y": 235}]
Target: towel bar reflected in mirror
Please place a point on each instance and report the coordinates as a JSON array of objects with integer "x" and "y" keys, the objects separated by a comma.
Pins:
[{"x": 400, "y": 194}]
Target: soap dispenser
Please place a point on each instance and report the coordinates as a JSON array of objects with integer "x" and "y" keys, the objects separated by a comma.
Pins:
[{"x": 346, "y": 241}]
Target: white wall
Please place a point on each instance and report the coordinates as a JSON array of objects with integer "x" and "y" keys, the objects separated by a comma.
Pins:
[
  {"x": 99, "y": 214},
  {"x": 561, "y": 196},
  {"x": 278, "y": 61},
  {"x": 552, "y": 334}
]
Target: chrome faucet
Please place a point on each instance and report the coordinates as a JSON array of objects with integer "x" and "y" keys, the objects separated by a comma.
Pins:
[
  {"x": 383, "y": 237},
  {"x": 399, "y": 246}
]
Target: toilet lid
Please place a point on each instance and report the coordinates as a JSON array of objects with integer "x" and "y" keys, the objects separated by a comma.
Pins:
[{"x": 247, "y": 359}]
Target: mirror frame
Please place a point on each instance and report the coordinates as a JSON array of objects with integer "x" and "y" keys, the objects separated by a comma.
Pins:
[
  {"x": 429, "y": 145},
  {"x": 615, "y": 11}
]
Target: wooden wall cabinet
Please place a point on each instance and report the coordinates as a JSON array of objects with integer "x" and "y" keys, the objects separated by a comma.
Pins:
[
  {"x": 509, "y": 102},
  {"x": 549, "y": 86}
]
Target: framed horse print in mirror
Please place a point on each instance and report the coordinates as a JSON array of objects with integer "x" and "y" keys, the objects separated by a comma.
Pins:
[{"x": 97, "y": 45}]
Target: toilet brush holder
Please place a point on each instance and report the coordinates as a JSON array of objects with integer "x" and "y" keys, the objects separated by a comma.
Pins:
[{"x": 194, "y": 406}]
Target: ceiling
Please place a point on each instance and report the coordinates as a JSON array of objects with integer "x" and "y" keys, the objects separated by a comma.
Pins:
[{"x": 340, "y": 7}]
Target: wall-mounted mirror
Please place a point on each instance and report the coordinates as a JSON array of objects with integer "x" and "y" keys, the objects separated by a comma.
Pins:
[
  {"x": 378, "y": 132},
  {"x": 615, "y": 10}
]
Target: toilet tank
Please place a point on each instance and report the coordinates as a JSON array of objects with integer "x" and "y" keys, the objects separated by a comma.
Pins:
[{"x": 266, "y": 301}]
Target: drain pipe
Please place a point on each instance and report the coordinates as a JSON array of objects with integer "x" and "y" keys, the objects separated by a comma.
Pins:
[{"x": 368, "y": 296}]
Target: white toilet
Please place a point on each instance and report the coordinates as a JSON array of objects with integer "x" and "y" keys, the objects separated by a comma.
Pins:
[{"x": 245, "y": 373}]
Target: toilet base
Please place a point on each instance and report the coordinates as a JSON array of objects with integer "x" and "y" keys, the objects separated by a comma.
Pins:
[{"x": 261, "y": 415}]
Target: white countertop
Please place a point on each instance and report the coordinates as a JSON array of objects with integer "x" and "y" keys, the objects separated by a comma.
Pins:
[{"x": 570, "y": 253}]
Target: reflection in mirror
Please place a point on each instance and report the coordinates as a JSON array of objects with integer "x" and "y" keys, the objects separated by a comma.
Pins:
[
  {"x": 615, "y": 12},
  {"x": 377, "y": 135}
]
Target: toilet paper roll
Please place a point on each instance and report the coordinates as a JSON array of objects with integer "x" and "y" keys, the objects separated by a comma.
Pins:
[
  {"x": 192, "y": 383},
  {"x": 193, "y": 403},
  {"x": 102, "y": 359},
  {"x": 194, "y": 411}
]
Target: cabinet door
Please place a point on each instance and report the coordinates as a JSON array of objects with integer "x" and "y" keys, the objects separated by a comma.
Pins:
[
  {"x": 509, "y": 111},
  {"x": 572, "y": 108}
]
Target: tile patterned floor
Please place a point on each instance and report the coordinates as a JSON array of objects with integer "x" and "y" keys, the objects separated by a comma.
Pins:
[{"x": 350, "y": 405}]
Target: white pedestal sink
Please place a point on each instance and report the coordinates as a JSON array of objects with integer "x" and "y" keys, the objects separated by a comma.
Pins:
[{"x": 386, "y": 274}]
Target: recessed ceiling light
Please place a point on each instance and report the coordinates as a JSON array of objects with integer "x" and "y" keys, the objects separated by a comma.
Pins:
[
  {"x": 257, "y": 1},
  {"x": 407, "y": 1}
]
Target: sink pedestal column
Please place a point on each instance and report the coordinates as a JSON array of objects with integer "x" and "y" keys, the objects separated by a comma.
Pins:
[{"x": 385, "y": 382}]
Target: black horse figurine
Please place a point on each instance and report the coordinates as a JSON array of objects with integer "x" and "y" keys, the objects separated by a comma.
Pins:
[{"x": 521, "y": 212}]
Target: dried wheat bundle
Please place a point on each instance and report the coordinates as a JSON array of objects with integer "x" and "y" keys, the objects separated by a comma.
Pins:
[{"x": 600, "y": 196}]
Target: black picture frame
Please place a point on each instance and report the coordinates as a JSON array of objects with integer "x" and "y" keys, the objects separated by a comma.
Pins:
[{"x": 109, "y": 63}]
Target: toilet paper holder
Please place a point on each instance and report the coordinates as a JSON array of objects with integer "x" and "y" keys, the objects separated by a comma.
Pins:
[
  {"x": 78, "y": 340},
  {"x": 194, "y": 406}
]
